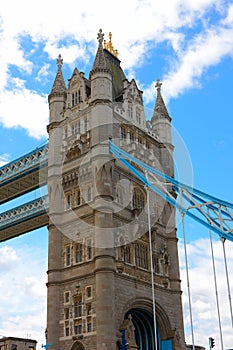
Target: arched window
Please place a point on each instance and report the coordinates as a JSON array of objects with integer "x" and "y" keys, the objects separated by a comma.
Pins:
[
  {"x": 138, "y": 199},
  {"x": 78, "y": 345}
]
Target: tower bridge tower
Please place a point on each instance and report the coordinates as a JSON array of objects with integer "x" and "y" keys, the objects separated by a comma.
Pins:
[{"x": 99, "y": 273}]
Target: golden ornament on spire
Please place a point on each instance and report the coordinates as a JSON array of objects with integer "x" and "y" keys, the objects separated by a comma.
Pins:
[{"x": 108, "y": 46}]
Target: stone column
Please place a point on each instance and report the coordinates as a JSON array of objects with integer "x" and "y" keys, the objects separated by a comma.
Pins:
[{"x": 105, "y": 261}]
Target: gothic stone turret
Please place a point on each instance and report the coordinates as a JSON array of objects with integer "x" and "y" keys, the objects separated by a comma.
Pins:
[{"x": 99, "y": 274}]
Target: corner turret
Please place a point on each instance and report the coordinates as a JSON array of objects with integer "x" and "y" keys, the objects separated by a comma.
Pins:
[
  {"x": 100, "y": 75},
  {"x": 161, "y": 121},
  {"x": 58, "y": 94}
]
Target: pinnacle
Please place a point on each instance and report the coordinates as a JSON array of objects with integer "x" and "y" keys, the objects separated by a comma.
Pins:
[
  {"x": 160, "y": 109},
  {"x": 100, "y": 64},
  {"x": 59, "y": 82}
]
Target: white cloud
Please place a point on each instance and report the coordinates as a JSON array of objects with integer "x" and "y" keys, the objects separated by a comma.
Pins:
[
  {"x": 202, "y": 289},
  {"x": 8, "y": 258},
  {"x": 23, "y": 291},
  {"x": 4, "y": 159},
  {"x": 144, "y": 24},
  {"x": 43, "y": 73},
  {"x": 204, "y": 51},
  {"x": 24, "y": 108}
]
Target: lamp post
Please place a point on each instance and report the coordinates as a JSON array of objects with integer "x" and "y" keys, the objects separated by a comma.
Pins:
[{"x": 46, "y": 346}]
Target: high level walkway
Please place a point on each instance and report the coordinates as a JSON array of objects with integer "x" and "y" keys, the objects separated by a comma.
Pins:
[
  {"x": 24, "y": 174},
  {"x": 24, "y": 218}
]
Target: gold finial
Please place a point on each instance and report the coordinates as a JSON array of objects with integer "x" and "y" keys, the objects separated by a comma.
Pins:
[{"x": 108, "y": 46}]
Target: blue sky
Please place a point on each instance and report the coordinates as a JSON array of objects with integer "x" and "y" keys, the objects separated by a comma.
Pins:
[{"x": 189, "y": 46}]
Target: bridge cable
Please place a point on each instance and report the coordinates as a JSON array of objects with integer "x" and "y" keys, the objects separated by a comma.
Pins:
[
  {"x": 121, "y": 155},
  {"x": 151, "y": 262},
  {"x": 216, "y": 290},
  {"x": 187, "y": 279},
  {"x": 124, "y": 158},
  {"x": 227, "y": 278}
]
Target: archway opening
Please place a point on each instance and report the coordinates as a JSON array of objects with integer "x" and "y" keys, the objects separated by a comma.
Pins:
[
  {"x": 144, "y": 331},
  {"x": 77, "y": 346}
]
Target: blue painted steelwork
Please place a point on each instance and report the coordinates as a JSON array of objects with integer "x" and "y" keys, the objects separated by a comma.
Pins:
[
  {"x": 24, "y": 212},
  {"x": 138, "y": 329},
  {"x": 27, "y": 163},
  {"x": 144, "y": 330},
  {"x": 220, "y": 219},
  {"x": 124, "y": 343},
  {"x": 166, "y": 344}
]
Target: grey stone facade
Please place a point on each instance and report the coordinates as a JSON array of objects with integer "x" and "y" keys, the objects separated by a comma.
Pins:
[{"x": 99, "y": 273}]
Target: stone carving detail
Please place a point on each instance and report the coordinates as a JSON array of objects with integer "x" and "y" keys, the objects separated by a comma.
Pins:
[
  {"x": 128, "y": 334},
  {"x": 104, "y": 179}
]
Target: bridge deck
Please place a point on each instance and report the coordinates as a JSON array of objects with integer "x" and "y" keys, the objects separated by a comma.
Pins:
[
  {"x": 24, "y": 218},
  {"x": 24, "y": 174}
]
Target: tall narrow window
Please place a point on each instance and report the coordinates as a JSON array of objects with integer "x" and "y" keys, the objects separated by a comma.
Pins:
[
  {"x": 77, "y": 196},
  {"x": 78, "y": 253},
  {"x": 67, "y": 313},
  {"x": 141, "y": 255},
  {"x": 88, "y": 308},
  {"x": 130, "y": 110},
  {"x": 78, "y": 307},
  {"x": 155, "y": 264},
  {"x": 127, "y": 254},
  {"x": 76, "y": 98},
  {"x": 138, "y": 199},
  {"x": 77, "y": 328},
  {"x": 89, "y": 326},
  {"x": 68, "y": 198},
  {"x": 67, "y": 329},
  {"x": 123, "y": 133},
  {"x": 132, "y": 136},
  {"x": 66, "y": 297},
  {"x": 78, "y": 127},
  {"x": 73, "y": 129},
  {"x": 68, "y": 255},
  {"x": 138, "y": 115},
  {"x": 88, "y": 292},
  {"x": 89, "y": 249}
]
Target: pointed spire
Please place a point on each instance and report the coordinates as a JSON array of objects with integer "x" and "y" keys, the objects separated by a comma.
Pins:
[
  {"x": 59, "y": 82},
  {"x": 160, "y": 110},
  {"x": 100, "y": 64}
]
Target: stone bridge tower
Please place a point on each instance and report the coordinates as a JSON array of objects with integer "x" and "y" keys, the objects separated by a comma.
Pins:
[{"x": 99, "y": 273}]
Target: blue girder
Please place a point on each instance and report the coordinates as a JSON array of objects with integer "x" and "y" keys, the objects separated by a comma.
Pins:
[{"x": 210, "y": 211}]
